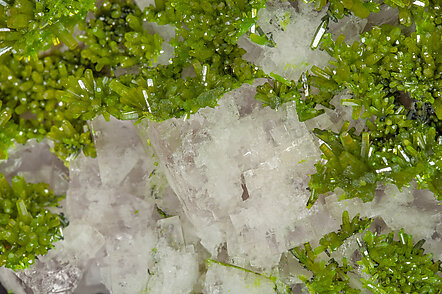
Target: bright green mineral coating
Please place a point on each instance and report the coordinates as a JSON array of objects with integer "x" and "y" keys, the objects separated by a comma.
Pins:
[
  {"x": 27, "y": 227},
  {"x": 29, "y": 26},
  {"x": 396, "y": 84},
  {"x": 331, "y": 276},
  {"x": 204, "y": 45},
  {"x": 30, "y": 93},
  {"x": 116, "y": 37},
  {"x": 397, "y": 265},
  {"x": 337, "y": 9},
  {"x": 54, "y": 96},
  {"x": 390, "y": 265}
]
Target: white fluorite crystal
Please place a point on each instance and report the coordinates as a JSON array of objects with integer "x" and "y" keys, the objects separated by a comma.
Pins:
[
  {"x": 292, "y": 54},
  {"x": 397, "y": 209},
  {"x": 124, "y": 269},
  {"x": 108, "y": 192},
  {"x": 176, "y": 264},
  {"x": 240, "y": 172},
  {"x": 222, "y": 279},
  {"x": 62, "y": 268},
  {"x": 36, "y": 164},
  {"x": 176, "y": 270},
  {"x": 118, "y": 150},
  {"x": 112, "y": 225}
]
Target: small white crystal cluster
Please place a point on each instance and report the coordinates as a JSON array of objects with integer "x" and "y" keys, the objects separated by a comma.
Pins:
[
  {"x": 281, "y": 22},
  {"x": 167, "y": 207}
]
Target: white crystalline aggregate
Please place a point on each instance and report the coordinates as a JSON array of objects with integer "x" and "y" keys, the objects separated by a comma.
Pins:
[
  {"x": 108, "y": 192},
  {"x": 396, "y": 208},
  {"x": 125, "y": 268},
  {"x": 240, "y": 172},
  {"x": 36, "y": 164},
  {"x": 51, "y": 276},
  {"x": 175, "y": 272},
  {"x": 176, "y": 265},
  {"x": 117, "y": 149},
  {"x": 292, "y": 54},
  {"x": 222, "y": 279},
  {"x": 111, "y": 225},
  {"x": 81, "y": 241},
  {"x": 171, "y": 231}
]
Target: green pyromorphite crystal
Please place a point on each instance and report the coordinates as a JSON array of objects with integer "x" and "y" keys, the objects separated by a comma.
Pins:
[
  {"x": 389, "y": 265},
  {"x": 116, "y": 37},
  {"x": 204, "y": 45},
  {"x": 29, "y": 26},
  {"x": 30, "y": 105},
  {"x": 337, "y": 9},
  {"x": 27, "y": 227},
  {"x": 330, "y": 277},
  {"x": 396, "y": 84},
  {"x": 55, "y": 95},
  {"x": 398, "y": 266}
]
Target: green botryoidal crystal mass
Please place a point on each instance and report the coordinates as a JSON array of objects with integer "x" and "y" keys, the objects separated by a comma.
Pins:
[
  {"x": 31, "y": 108},
  {"x": 27, "y": 227},
  {"x": 28, "y": 27},
  {"x": 205, "y": 45},
  {"x": 115, "y": 37}
]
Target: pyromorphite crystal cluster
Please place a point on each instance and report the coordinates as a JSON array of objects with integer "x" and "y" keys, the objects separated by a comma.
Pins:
[
  {"x": 53, "y": 96},
  {"x": 27, "y": 227},
  {"x": 27, "y": 26},
  {"x": 330, "y": 277},
  {"x": 397, "y": 265},
  {"x": 56, "y": 98},
  {"x": 395, "y": 82},
  {"x": 392, "y": 265},
  {"x": 207, "y": 62},
  {"x": 337, "y": 9},
  {"x": 115, "y": 37},
  {"x": 31, "y": 108}
]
